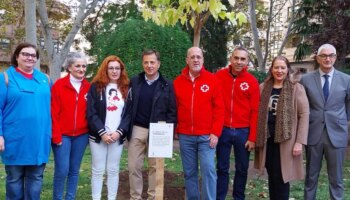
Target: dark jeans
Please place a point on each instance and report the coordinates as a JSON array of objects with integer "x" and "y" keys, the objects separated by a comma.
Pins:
[
  {"x": 24, "y": 181},
  {"x": 277, "y": 188},
  {"x": 237, "y": 138}
]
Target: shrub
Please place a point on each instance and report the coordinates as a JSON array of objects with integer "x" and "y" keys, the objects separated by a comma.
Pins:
[
  {"x": 259, "y": 75},
  {"x": 130, "y": 38}
]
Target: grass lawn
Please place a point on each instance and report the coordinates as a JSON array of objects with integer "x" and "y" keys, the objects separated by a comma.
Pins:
[{"x": 256, "y": 188}]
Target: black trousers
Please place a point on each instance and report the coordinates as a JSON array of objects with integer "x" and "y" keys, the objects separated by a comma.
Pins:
[{"x": 277, "y": 188}]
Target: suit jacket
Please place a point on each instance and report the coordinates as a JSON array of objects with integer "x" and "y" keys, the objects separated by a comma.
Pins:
[
  {"x": 163, "y": 104},
  {"x": 333, "y": 114}
]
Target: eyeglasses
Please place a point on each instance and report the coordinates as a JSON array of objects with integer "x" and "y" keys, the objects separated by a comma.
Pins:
[
  {"x": 325, "y": 56},
  {"x": 28, "y": 55},
  {"x": 79, "y": 66},
  {"x": 113, "y": 68}
]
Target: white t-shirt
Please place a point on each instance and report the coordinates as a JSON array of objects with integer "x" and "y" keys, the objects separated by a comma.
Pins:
[{"x": 114, "y": 107}]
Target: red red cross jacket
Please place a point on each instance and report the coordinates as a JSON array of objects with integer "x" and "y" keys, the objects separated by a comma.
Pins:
[
  {"x": 68, "y": 109},
  {"x": 200, "y": 106},
  {"x": 242, "y": 97}
]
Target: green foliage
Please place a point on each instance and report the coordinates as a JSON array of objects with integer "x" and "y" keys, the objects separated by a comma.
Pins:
[
  {"x": 346, "y": 69},
  {"x": 166, "y": 12},
  {"x": 302, "y": 50},
  {"x": 191, "y": 13},
  {"x": 214, "y": 43},
  {"x": 112, "y": 15},
  {"x": 323, "y": 21},
  {"x": 130, "y": 38},
  {"x": 260, "y": 75}
]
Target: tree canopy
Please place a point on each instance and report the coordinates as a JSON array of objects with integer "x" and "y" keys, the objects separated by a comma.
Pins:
[
  {"x": 323, "y": 21},
  {"x": 130, "y": 38},
  {"x": 193, "y": 12}
]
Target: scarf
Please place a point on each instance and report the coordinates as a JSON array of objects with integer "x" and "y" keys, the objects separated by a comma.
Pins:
[{"x": 284, "y": 114}]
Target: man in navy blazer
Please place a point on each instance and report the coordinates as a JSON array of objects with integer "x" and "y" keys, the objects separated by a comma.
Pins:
[{"x": 328, "y": 91}]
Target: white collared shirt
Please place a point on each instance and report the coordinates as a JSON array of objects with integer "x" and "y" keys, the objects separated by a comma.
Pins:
[
  {"x": 149, "y": 82},
  {"x": 323, "y": 79}
]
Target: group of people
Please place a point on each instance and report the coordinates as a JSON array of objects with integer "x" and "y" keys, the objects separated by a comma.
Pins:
[{"x": 212, "y": 113}]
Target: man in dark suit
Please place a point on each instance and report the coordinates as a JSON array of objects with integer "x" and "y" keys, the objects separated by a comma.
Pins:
[{"x": 328, "y": 91}]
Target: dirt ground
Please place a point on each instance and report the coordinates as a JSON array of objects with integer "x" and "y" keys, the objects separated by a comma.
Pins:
[{"x": 172, "y": 189}]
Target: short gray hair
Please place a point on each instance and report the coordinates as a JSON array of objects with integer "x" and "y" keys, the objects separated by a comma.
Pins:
[
  {"x": 72, "y": 57},
  {"x": 326, "y": 46}
]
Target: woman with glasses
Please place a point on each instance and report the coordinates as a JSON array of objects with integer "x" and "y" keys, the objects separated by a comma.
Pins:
[
  {"x": 69, "y": 125},
  {"x": 25, "y": 123},
  {"x": 106, "y": 100},
  {"x": 282, "y": 129}
]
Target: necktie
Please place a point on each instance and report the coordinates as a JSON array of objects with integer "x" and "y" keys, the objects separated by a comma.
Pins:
[{"x": 326, "y": 86}]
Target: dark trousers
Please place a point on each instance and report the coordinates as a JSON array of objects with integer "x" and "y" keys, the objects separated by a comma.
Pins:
[
  {"x": 236, "y": 137},
  {"x": 277, "y": 188}
]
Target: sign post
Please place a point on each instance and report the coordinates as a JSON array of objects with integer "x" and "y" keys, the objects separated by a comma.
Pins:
[{"x": 160, "y": 147}]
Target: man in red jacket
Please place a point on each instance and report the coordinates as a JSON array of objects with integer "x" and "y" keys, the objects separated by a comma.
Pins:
[
  {"x": 241, "y": 97},
  {"x": 200, "y": 114}
]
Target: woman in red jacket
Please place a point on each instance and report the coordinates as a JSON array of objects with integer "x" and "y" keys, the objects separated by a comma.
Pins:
[{"x": 69, "y": 125}]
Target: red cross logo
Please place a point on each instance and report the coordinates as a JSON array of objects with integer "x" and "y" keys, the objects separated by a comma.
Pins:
[
  {"x": 244, "y": 86},
  {"x": 205, "y": 88}
]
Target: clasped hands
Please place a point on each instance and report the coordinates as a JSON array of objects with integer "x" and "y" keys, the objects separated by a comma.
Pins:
[{"x": 110, "y": 137}]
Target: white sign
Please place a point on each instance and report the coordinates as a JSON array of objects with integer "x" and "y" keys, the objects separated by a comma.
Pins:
[{"x": 161, "y": 140}]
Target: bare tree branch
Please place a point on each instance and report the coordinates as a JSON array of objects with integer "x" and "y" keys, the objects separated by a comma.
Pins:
[
  {"x": 255, "y": 31},
  {"x": 289, "y": 29},
  {"x": 56, "y": 59},
  {"x": 46, "y": 28}
]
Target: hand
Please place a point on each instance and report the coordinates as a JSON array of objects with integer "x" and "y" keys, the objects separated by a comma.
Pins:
[
  {"x": 114, "y": 136},
  {"x": 249, "y": 145},
  {"x": 176, "y": 136},
  {"x": 297, "y": 149},
  {"x": 2, "y": 144},
  {"x": 213, "y": 140},
  {"x": 106, "y": 138},
  {"x": 59, "y": 144}
]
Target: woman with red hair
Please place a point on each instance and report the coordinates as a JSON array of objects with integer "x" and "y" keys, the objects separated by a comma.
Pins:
[{"x": 106, "y": 99}]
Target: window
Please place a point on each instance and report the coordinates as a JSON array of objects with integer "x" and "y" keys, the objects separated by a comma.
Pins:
[{"x": 4, "y": 43}]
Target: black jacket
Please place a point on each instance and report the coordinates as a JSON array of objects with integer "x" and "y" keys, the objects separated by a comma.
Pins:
[
  {"x": 96, "y": 114},
  {"x": 163, "y": 105}
]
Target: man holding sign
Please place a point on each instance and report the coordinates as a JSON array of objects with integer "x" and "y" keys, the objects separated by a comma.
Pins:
[{"x": 151, "y": 99}]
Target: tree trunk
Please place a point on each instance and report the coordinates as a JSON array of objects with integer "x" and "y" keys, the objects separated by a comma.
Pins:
[
  {"x": 196, "y": 38},
  {"x": 268, "y": 29},
  {"x": 253, "y": 26},
  {"x": 197, "y": 31},
  {"x": 30, "y": 24},
  {"x": 56, "y": 59}
]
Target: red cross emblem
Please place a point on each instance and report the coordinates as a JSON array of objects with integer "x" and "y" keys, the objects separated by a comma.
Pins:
[
  {"x": 205, "y": 88},
  {"x": 244, "y": 86}
]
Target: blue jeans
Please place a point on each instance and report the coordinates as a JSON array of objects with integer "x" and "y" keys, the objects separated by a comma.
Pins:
[
  {"x": 236, "y": 137},
  {"x": 24, "y": 181},
  {"x": 68, "y": 158},
  {"x": 192, "y": 148}
]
